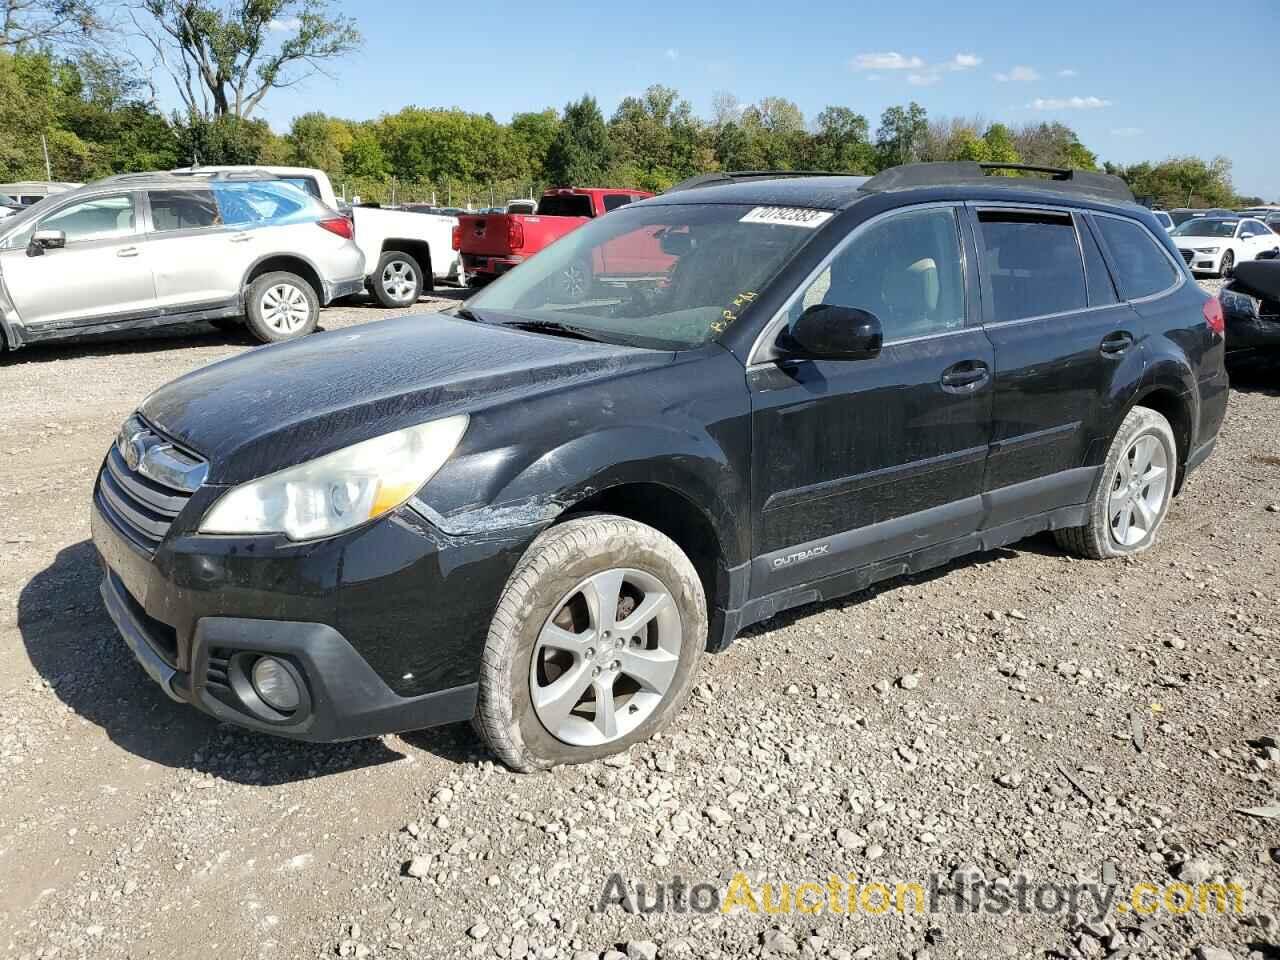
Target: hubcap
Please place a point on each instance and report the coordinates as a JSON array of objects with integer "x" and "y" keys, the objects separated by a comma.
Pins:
[
  {"x": 285, "y": 308},
  {"x": 606, "y": 657},
  {"x": 399, "y": 280},
  {"x": 1138, "y": 491}
]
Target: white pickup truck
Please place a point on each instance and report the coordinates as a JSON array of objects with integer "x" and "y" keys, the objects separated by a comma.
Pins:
[{"x": 404, "y": 252}]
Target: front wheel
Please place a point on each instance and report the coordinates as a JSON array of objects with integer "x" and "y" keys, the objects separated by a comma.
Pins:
[
  {"x": 1133, "y": 494},
  {"x": 1228, "y": 262},
  {"x": 281, "y": 306},
  {"x": 594, "y": 644}
]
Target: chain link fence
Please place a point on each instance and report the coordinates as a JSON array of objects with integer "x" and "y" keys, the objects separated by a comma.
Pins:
[{"x": 468, "y": 196}]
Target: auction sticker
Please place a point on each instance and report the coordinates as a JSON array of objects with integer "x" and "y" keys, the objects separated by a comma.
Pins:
[{"x": 788, "y": 217}]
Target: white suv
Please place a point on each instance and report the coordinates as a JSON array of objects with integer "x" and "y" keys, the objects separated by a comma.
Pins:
[{"x": 141, "y": 250}]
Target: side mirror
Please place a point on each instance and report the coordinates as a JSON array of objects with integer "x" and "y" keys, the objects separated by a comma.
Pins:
[
  {"x": 43, "y": 240},
  {"x": 829, "y": 332}
]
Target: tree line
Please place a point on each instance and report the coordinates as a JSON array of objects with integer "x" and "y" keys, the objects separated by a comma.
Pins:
[{"x": 65, "y": 88}]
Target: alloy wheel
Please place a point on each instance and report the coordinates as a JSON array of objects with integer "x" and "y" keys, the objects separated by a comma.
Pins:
[
  {"x": 285, "y": 308},
  {"x": 399, "y": 280},
  {"x": 1138, "y": 491},
  {"x": 606, "y": 657}
]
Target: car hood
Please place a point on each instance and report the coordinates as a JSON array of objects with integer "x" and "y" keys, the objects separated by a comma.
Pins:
[
  {"x": 276, "y": 406},
  {"x": 1190, "y": 243}
]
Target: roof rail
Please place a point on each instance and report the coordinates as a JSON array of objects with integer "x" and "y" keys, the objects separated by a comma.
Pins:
[
  {"x": 1060, "y": 179},
  {"x": 722, "y": 177}
]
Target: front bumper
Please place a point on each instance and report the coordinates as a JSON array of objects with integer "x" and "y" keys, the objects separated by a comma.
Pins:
[
  {"x": 1201, "y": 262},
  {"x": 385, "y": 624}
]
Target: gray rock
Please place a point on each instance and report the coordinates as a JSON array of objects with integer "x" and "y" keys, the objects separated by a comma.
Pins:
[
  {"x": 1198, "y": 871},
  {"x": 1204, "y": 952},
  {"x": 478, "y": 931},
  {"x": 418, "y": 867},
  {"x": 910, "y": 681},
  {"x": 642, "y": 950},
  {"x": 776, "y": 941}
]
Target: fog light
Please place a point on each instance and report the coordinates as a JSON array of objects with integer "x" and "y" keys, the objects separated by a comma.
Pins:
[{"x": 274, "y": 683}]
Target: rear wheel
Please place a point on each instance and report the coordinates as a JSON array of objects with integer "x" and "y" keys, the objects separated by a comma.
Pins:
[
  {"x": 397, "y": 281},
  {"x": 594, "y": 644},
  {"x": 1133, "y": 494},
  {"x": 281, "y": 306}
]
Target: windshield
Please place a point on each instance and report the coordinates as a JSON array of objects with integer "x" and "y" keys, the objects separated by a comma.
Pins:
[
  {"x": 1204, "y": 227},
  {"x": 670, "y": 276},
  {"x": 7, "y": 201}
]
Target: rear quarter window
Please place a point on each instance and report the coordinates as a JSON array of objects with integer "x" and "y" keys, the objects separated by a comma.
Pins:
[
  {"x": 1142, "y": 268},
  {"x": 613, "y": 201}
]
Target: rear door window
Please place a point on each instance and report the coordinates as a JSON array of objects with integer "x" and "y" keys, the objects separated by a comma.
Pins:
[
  {"x": 182, "y": 210},
  {"x": 1142, "y": 268},
  {"x": 1101, "y": 290},
  {"x": 1032, "y": 262}
]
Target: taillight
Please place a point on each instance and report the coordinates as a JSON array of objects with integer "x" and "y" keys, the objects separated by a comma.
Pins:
[
  {"x": 1214, "y": 316},
  {"x": 339, "y": 225},
  {"x": 515, "y": 235},
  {"x": 456, "y": 240}
]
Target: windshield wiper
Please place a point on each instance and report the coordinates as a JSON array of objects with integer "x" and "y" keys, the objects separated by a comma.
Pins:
[
  {"x": 465, "y": 313},
  {"x": 553, "y": 327}
]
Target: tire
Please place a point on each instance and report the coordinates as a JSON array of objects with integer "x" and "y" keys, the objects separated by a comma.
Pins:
[
  {"x": 296, "y": 313},
  {"x": 1105, "y": 536},
  {"x": 397, "y": 281},
  {"x": 552, "y": 581},
  {"x": 1228, "y": 261}
]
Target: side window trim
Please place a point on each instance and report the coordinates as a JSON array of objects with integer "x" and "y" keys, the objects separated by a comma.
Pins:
[
  {"x": 1179, "y": 265},
  {"x": 779, "y": 320}
]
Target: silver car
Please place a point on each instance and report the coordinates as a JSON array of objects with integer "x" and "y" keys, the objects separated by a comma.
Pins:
[{"x": 141, "y": 250}]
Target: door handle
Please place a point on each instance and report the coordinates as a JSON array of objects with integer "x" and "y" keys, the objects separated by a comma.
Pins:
[
  {"x": 965, "y": 377},
  {"x": 127, "y": 252},
  {"x": 241, "y": 237},
  {"x": 1114, "y": 344}
]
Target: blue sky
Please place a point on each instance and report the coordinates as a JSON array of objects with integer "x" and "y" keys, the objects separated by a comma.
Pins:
[{"x": 1136, "y": 80}]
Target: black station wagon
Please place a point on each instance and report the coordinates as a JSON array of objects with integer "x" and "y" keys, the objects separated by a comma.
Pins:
[{"x": 538, "y": 513}]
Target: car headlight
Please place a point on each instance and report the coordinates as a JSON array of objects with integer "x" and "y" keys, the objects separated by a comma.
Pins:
[
  {"x": 340, "y": 490},
  {"x": 1205, "y": 249}
]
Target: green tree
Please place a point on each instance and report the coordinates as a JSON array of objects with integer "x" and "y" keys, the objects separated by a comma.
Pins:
[
  {"x": 534, "y": 133},
  {"x": 317, "y": 140},
  {"x": 841, "y": 142},
  {"x": 901, "y": 135},
  {"x": 579, "y": 154},
  {"x": 224, "y": 140},
  {"x": 222, "y": 58},
  {"x": 1000, "y": 145}
]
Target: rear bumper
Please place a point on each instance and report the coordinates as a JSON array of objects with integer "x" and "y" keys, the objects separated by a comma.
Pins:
[
  {"x": 473, "y": 264},
  {"x": 1248, "y": 332},
  {"x": 336, "y": 289}
]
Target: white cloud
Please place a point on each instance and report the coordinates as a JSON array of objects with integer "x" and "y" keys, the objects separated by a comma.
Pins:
[
  {"x": 672, "y": 53},
  {"x": 1068, "y": 103},
  {"x": 1067, "y": 73},
  {"x": 1128, "y": 132},
  {"x": 922, "y": 79},
  {"x": 963, "y": 61},
  {"x": 289, "y": 25},
  {"x": 1019, "y": 74},
  {"x": 891, "y": 60}
]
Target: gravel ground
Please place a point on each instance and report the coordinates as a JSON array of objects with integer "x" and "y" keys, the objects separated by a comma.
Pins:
[{"x": 1019, "y": 718}]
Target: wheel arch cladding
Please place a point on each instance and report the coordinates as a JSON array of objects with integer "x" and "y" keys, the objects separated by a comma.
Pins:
[
  {"x": 673, "y": 514},
  {"x": 1176, "y": 408},
  {"x": 287, "y": 264}
]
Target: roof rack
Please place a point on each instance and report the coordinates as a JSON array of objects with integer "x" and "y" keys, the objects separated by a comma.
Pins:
[
  {"x": 1060, "y": 179},
  {"x": 248, "y": 175},
  {"x": 722, "y": 177}
]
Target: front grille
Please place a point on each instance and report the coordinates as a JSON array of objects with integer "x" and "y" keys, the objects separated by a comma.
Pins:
[
  {"x": 137, "y": 506},
  {"x": 1188, "y": 255}
]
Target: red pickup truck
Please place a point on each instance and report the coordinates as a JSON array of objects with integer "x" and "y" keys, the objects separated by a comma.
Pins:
[{"x": 493, "y": 243}]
